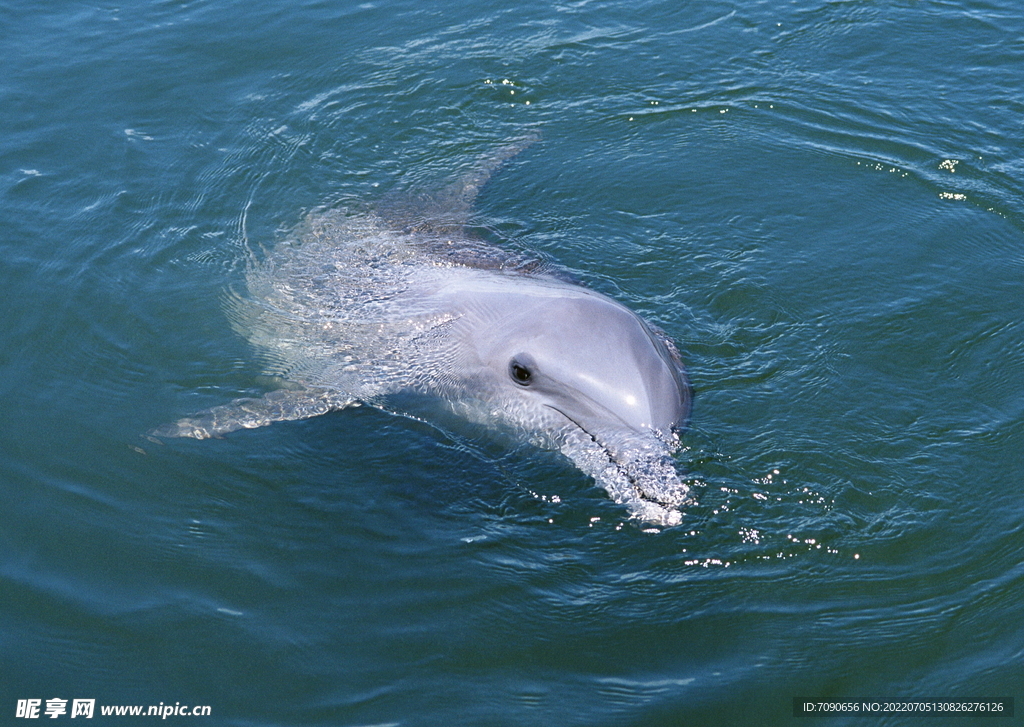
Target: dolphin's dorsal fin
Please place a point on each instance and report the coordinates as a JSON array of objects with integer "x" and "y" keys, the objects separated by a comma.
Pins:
[
  {"x": 460, "y": 197},
  {"x": 449, "y": 209}
]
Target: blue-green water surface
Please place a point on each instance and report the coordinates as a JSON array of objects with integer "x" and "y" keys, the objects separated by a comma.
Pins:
[{"x": 823, "y": 204}]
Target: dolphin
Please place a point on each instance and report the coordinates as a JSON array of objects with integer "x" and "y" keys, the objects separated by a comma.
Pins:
[{"x": 411, "y": 313}]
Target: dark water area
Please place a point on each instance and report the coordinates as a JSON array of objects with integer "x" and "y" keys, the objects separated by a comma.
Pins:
[{"x": 820, "y": 202}]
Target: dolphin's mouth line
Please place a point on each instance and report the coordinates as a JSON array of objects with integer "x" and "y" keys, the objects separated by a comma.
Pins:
[
  {"x": 611, "y": 458},
  {"x": 584, "y": 430}
]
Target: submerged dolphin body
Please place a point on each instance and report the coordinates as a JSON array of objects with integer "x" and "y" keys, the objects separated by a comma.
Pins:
[{"x": 356, "y": 309}]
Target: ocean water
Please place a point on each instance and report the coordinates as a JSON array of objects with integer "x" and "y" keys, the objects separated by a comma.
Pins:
[{"x": 819, "y": 201}]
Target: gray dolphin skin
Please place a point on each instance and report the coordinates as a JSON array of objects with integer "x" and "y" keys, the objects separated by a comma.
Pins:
[{"x": 410, "y": 313}]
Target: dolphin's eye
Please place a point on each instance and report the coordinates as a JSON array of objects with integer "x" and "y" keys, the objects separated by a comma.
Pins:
[{"x": 520, "y": 373}]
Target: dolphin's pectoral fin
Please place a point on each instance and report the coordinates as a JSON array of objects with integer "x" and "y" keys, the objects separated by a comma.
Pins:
[{"x": 278, "y": 406}]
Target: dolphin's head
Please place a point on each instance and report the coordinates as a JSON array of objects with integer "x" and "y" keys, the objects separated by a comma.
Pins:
[
  {"x": 595, "y": 362},
  {"x": 567, "y": 358}
]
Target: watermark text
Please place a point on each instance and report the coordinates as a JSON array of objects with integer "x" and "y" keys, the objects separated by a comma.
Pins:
[{"x": 87, "y": 709}]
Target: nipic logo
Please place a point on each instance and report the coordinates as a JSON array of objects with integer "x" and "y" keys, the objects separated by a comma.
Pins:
[{"x": 29, "y": 708}]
